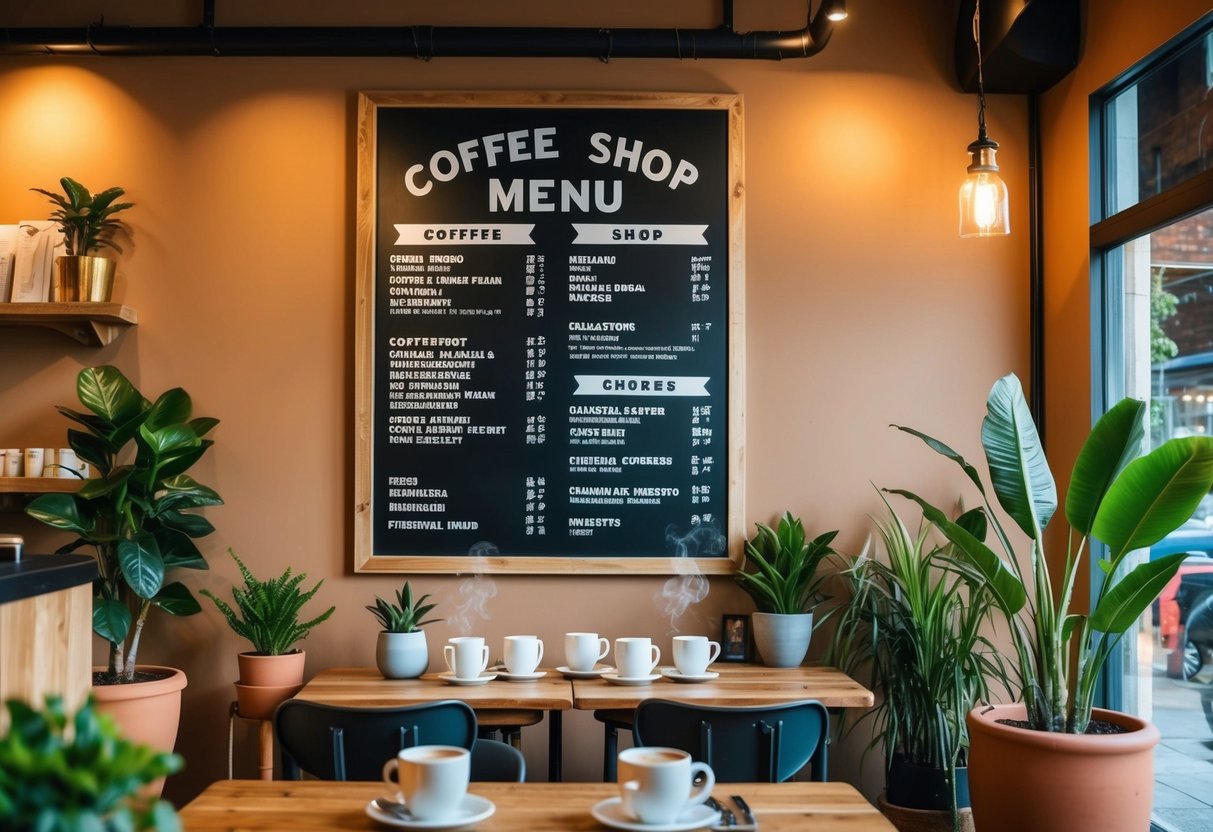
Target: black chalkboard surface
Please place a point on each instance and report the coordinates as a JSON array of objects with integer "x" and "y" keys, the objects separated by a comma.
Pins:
[{"x": 546, "y": 346}]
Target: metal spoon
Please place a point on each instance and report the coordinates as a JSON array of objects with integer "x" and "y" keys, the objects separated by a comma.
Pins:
[{"x": 393, "y": 808}]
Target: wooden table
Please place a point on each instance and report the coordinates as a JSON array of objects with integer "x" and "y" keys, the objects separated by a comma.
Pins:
[
  {"x": 496, "y": 703},
  {"x": 313, "y": 805},
  {"x": 739, "y": 684}
]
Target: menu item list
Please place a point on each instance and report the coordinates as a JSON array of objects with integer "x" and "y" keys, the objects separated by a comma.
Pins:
[{"x": 550, "y": 353}]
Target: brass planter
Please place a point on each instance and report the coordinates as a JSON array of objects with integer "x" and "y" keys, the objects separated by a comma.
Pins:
[{"x": 82, "y": 278}]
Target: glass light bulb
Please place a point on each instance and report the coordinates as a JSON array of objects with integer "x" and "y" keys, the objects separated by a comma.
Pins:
[{"x": 984, "y": 205}]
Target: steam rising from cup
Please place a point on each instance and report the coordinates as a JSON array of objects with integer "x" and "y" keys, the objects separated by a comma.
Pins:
[
  {"x": 689, "y": 586},
  {"x": 475, "y": 592}
]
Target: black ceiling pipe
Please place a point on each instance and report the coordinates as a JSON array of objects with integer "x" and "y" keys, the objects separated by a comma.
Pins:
[{"x": 422, "y": 42}]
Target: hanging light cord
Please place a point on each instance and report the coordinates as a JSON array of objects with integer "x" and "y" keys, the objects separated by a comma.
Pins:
[{"x": 981, "y": 86}]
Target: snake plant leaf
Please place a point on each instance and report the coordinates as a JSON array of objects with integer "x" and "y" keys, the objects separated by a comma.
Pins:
[
  {"x": 108, "y": 393},
  {"x": 1019, "y": 471},
  {"x": 1154, "y": 495},
  {"x": 58, "y": 510},
  {"x": 1114, "y": 442},
  {"x": 1007, "y": 589},
  {"x": 111, "y": 619},
  {"x": 176, "y": 599},
  {"x": 1128, "y": 598},
  {"x": 142, "y": 566},
  {"x": 942, "y": 449}
]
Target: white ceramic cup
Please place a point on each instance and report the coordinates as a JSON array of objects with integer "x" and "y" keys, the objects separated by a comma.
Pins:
[
  {"x": 693, "y": 654},
  {"x": 466, "y": 656},
  {"x": 69, "y": 464},
  {"x": 14, "y": 462},
  {"x": 635, "y": 657},
  {"x": 522, "y": 653},
  {"x": 34, "y": 461},
  {"x": 433, "y": 779},
  {"x": 584, "y": 650},
  {"x": 655, "y": 784}
]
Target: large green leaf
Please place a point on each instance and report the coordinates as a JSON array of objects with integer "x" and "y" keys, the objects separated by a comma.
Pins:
[
  {"x": 942, "y": 449},
  {"x": 60, "y": 511},
  {"x": 190, "y": 524},
  {"x": 1006, "y": 588},
  {"x": 178, "y": 551},
  {"x": 108, "y": 393},
  {"x": 100, "y": 486},
  {"x": 176, "y": 599},
  {"x": 142, "y": 566},
  {"x": 1154, "y": 494},
  {"x": 183, "y": 491},
  {"x": 111, "y": 619},
  {"x": 1128, "y": 598},
  {"x": 1019, "y": 471},
  {"x": 95, "y": 450},
  {"x": 1114, "y": 442},
  {"x": 169, "y": 439},
  {"x": 173, "y": 407},
  {"x": 203, "y": 425}
]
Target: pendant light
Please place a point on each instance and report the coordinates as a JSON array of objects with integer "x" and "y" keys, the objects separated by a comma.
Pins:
[{"x": 984, "y": 209}]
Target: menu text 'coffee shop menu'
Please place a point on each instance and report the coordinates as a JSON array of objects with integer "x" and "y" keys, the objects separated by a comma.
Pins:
[{"x": 550, "y": 351}]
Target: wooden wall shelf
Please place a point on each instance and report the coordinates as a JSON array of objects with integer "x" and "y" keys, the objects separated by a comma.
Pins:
[
  {"x": 92, "y": 324},
  {"x": 15, "y": 492}
]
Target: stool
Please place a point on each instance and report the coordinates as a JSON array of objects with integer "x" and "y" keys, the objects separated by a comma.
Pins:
[
  {"x": 613, "y": 721},
  {"x": 265, "y": 736}
]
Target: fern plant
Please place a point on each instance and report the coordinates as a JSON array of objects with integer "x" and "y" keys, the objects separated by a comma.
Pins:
[
  {"x": 405, "y": 616},
  {"x": 269, "y": 610},
  {"x": 787, "y": 580},
  {"x": 68, "y": 773}
]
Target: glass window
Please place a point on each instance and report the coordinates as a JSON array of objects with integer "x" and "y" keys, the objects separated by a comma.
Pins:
[{"x": 1156, "y": 343}]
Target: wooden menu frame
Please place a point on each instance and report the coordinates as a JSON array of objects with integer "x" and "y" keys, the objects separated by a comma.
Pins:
[{"x": 369, "y": 239}]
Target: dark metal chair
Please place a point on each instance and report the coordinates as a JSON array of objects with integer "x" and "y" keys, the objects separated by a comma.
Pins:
[
  {"x": 332, "y": 742},
  {"x": 613, "y": 721},
  {"x": 744, "y": 744}
]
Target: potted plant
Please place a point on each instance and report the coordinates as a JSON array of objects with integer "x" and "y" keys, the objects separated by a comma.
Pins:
[
  {"x": 401, "y": 651},
  {"x": 136, "y": 516},
  {"x": 916, "y": 627},
  {"x": 1047, "y": 763},
  {"x": 269, "y": 618},
  {"x": 785, "y": 586},
  {"x": 61, "y": 773},
  {"x": 88, "y": 225}
]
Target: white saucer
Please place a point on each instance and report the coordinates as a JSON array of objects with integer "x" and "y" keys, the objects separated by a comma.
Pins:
[
  {"x": 610, "y": 813},
  {"x": 599, "y": 669},
  {"x": 616, "y": 679},
  {"x": 522, "y": 677},
  {"x": 473, "y": 810},
  {"x": 673, "y": 675},
  {"x": 452, "y": 679}
]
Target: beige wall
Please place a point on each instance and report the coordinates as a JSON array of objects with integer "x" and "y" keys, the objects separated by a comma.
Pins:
[{"x": 863, "y": 305}]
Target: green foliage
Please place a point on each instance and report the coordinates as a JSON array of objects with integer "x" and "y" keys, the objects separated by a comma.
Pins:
[
  {"x": 269, "y": 610},
  {"x": 87, "y": 220},
  {"x": 135, "y": 514},
  {"x": 786, "y": 579},
  {"x": 78, "y": 774},
  {"x": 1117, "y": 497},
  {"x": 405, "y": 616},
  {"x": 915, "y": 625}
]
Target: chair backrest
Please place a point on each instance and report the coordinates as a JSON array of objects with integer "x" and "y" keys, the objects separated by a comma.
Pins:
[
  {"x": 744, "y": 744},
  {"x": 497, "y": 762},
  {"x": 349, "y": 743}
]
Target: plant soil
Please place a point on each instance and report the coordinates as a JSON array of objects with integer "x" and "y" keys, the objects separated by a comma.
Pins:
[
  {"x": 1095, "y": 726},
  {"x": 101, "y": 677}
]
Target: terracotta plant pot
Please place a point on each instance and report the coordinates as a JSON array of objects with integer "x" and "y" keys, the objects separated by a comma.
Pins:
[
  {"x": 260, "y": 701},
  {"x": 146, "y": 712},
  {"x": 271, "y": 671},
  {"x": 782, "y": 640},
  {"x": 1045, "y": 782},
  {"x": 924, "y": 820}
]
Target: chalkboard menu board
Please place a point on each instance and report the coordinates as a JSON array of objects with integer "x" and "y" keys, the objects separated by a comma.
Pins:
[{"x": 549, "y": 333}]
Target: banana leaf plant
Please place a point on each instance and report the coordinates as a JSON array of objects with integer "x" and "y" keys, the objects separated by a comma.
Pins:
[
  {"x": 1118, "y": 497},
  {"x": 86, "y": 220},
  {"x": 786, "y": 578},
  {"x": 135, "y": 514}
]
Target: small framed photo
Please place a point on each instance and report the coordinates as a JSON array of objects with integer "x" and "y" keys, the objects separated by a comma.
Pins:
[{"x": 735, "y": 638}]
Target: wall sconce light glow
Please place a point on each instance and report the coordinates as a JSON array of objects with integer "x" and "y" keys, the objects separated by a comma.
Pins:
[
  {"x": 984, "y": 202},
  {"x": 836, "y": 10}
]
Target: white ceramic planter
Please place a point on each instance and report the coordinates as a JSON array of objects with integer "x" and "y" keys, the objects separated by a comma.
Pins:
[
  {"x": 782, "y": 640},
  {"x": 402, "y": 655}
]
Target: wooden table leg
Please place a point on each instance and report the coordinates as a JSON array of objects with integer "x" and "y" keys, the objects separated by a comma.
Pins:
[{"x": 265, "y": 765}]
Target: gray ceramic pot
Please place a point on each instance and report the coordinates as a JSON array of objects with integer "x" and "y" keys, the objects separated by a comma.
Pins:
[
  {"x": 782, "y": 640},
  {"x": 402, "y": 655}
]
